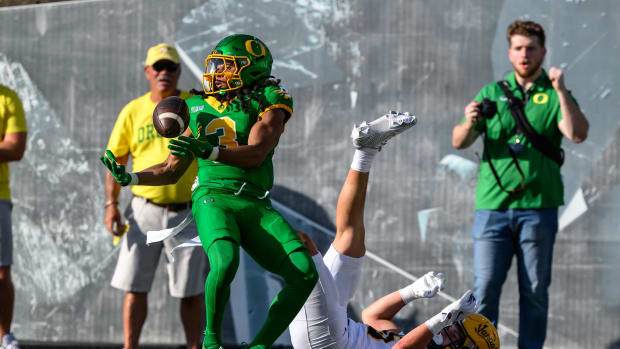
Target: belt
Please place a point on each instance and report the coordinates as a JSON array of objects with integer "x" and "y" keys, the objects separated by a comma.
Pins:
[{"x": 172, "y": 207}]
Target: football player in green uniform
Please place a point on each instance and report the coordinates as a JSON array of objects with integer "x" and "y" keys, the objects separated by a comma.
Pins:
[{"x": 234, "y": 128}]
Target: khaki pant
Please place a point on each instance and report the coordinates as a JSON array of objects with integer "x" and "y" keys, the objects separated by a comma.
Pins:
[{"x": 137, "y": 262}]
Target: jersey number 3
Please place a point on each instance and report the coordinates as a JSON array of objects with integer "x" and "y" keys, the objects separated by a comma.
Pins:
[{"x": 225, "y": 130}]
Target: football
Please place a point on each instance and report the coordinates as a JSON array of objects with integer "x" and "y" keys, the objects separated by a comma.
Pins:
[{"x": 171, "y": 117}]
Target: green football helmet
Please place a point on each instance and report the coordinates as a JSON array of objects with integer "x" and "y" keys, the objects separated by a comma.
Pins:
[{"x": 236, "y": 61}]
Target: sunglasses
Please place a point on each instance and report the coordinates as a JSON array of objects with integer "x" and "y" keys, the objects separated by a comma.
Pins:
[{"x": 168, "y": 66}]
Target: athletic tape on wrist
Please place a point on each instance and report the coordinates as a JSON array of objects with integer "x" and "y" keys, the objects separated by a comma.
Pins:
[
  {"x": 134, "y": 178},
  {"x": 214, "y": 154},
  {"x": 436, "y": 323},
  {"x": 406, "y": 295}
]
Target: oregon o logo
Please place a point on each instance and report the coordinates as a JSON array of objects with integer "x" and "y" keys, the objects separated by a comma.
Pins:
[
  {"x": 252, "y": 46},
  {"x": 540, "y": 98}
]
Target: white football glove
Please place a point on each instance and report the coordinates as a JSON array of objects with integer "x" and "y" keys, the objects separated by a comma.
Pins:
[
  {"x": 456, "y": 311},
  {"x": 425, "y": 287}
]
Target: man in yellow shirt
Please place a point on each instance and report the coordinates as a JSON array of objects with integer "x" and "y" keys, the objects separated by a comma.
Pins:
[
  {"x": 153, "y": 208},
  {"x": 12, "y": 146}
]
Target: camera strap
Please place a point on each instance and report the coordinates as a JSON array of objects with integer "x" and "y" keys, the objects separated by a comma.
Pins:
[
  {"x": 514, "y": 161},
  {"x": 539, "y": 142}
]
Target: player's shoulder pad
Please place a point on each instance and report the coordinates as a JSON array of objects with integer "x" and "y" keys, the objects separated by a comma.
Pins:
[{"x": 277, "y": 95}]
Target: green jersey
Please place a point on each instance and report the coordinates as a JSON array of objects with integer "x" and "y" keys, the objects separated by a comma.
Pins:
[
  {"x": 543, "y": 182},
  {"x": 226, "y": 125}
]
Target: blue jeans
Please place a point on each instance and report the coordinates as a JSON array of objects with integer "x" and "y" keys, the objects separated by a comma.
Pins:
[{"x": 530, "y": 235}]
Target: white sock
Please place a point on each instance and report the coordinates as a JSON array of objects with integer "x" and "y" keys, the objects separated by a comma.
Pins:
[{"x": 362, "y": 159}]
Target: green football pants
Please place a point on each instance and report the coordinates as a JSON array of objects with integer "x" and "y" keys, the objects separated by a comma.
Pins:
[{"x": 226, "y": 222}]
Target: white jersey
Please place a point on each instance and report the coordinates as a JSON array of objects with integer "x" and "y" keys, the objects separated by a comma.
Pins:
[{"x": 362, "y": 336}]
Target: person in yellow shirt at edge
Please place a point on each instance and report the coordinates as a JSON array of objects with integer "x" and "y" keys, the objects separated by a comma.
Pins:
[
  {"x": 153, "y": 208},
  {"x": 12, "y": 146}
]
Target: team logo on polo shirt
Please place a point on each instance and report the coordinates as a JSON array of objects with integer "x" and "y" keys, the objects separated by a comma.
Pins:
[{"x": 540, "y": 98}]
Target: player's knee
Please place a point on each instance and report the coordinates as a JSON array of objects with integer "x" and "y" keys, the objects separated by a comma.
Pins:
[
  {"x": 223, "y": 260},
  {"x": 299, "y": 271},
  {"x": 309, "y": 276},
  {"x": 225, "y": 270}
]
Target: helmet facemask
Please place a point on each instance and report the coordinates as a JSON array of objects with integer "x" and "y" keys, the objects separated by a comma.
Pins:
[
  {"x": 467, "y": 342},
  {"x": 223, "y": 70},
  {"x": 451, "y": 337}
]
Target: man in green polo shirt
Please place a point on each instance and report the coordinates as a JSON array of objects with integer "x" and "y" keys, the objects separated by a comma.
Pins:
[{"x": 517, "y": 207}]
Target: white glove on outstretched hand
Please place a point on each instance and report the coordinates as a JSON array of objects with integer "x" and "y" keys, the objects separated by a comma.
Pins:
[
  {"x": 457, "y": 311},
  {"x": 425, "y": 287}
]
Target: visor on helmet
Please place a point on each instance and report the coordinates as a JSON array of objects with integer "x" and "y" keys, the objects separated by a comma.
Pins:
[{"x": 223, "y": 73}]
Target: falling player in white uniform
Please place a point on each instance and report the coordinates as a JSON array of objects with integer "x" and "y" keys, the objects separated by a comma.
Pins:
[{"x": 323, "y": 322}]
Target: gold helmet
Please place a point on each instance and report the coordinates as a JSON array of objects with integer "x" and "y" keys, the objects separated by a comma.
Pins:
[
  {"x": 474, "y": 332},
  {"x": 480, "y": 333}
]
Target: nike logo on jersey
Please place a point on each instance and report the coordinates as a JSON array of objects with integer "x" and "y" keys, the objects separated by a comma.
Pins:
[{"x": 197, "y": 108}]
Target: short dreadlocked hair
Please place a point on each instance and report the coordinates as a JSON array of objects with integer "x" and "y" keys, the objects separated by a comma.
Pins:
[
  {"x": 526, "y": 28},
  {"x": 244, "y": 95}
]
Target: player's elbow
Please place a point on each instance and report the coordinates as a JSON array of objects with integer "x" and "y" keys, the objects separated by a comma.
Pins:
[{"x": 368, "y": 316}]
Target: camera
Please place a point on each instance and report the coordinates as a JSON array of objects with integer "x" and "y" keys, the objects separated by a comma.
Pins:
[{"x": 488, "y": 108}]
